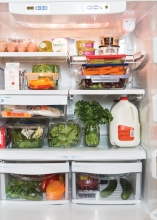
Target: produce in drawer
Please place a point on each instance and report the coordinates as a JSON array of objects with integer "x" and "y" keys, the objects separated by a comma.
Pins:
[
  {"x": 109, "y": 189},
  {"x": 55, "y": 190},
  {"x": 24, "y": 189},
  {"x": 64, "y": 134},
  {"x": 47, "y": 179},
  {"x": 126, "y": 187},
  {"x": 87, "y": 181}
]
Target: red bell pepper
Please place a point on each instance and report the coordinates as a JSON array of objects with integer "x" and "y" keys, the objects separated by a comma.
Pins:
[{"x": 48, "y": 179}]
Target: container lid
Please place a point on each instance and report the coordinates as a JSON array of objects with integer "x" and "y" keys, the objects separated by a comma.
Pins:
[
  {"x": 113, "y": 56},
  {"x": 124, "y": 98},
  {"x": 108, "y": 45},
  {"x": 26, "y": 124}
]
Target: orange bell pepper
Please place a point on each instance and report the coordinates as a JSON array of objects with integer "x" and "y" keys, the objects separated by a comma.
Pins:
[{"x": 55, "y": 190}]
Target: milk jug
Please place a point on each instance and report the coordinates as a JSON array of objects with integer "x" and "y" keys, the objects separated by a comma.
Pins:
[{"x": 124, "y": 130}]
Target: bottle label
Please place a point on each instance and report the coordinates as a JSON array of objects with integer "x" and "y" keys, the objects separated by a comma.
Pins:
[{"x": 125, "y": 133}]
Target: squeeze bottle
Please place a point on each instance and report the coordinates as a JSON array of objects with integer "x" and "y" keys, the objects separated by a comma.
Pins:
[{"x": 124, "y": 129}]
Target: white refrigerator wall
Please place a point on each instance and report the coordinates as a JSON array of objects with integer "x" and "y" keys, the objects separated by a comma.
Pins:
[{"x": 146, "y": 77}]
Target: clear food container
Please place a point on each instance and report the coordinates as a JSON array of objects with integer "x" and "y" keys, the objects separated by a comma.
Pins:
[
  {"x": 34, "y": 183},
  {"x": 42, "y": 81},
  {"x": 105, "y": 183},
  {"x": 104, "y": 82},
  {"x": 64, "y": 133},
  {"x": 27, "y": 133}
]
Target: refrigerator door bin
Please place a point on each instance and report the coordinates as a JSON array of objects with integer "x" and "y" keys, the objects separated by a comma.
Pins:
[
  {"x": 89, "y": 179},
  {"x": 33, "y": 183}
]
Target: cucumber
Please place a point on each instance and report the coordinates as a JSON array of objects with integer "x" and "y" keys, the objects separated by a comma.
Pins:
[
  {"x": 127, "y": 189},
  {"x": 109, "y": 189}
]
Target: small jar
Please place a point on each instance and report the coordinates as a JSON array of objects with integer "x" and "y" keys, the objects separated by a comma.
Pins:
[{"x": 91, "y": 135}]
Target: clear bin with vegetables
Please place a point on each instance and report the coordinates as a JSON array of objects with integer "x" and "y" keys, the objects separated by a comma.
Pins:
[
  {"x": 106, "y": 183},
  {"x": 27, "y": 133},
  {"x": 64, "y": 133},
  {"x": 43, "y": 77},
  {"x": 34, "y": 182}
]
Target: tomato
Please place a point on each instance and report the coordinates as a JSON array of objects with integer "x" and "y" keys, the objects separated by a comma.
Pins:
[{"x": 48, "y": 178}]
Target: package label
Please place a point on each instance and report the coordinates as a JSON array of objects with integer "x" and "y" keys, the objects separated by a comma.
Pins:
[{"x": 125, "y": 133}]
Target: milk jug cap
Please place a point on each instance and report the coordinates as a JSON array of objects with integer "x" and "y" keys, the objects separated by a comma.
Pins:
[{"x": 123, "y": 98}]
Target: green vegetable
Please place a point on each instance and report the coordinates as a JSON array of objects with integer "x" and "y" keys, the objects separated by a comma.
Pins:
[
  {"x": 127, "y": 189},
  {"x": 64, "y": 135},
  {"x": 26, "y": 138},
  {"x": 52, "y": 68},
  {"x": 92, "y": 113},
  {"x": 109, "y": 189},
  {"x": 24, "y": 189}
]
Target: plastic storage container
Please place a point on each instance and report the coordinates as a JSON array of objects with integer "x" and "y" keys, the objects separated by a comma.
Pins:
[
  {"x": 42, "y": 81},
  {"x": 34, "y": 183},
  {"x": 104, "y": 82},
  {"x": 124, "y": 130},
  {"x": 64, "y": 133},
  {"x": 89, "y": 179},
  {"x": 27, "y": 133}
]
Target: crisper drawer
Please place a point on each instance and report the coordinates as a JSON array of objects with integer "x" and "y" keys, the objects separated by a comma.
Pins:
[
  {"x": 34, "y": 183},
  {"x": 106, "y": 183}
]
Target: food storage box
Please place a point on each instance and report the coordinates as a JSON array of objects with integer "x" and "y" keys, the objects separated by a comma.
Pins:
[
  {"x": 27, "y": 133},
  {"x": 64, "y": 133},
  {"x": 34, "y": 183},
  {"x": 108, "y": 50},
  {"x": 42, "y": 81},
  {"x": 104, "y": 82},
  {"x": 104, "y": 183},
  {"x": 27, "y": 111}
]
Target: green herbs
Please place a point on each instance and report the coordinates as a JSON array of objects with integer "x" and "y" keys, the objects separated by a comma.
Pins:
[
  {"x": 27, "y": 138},
  {"x": 92, "y": 113},
  {"x": 64, "y": 134},
  {"x": 23, "y": 189}
]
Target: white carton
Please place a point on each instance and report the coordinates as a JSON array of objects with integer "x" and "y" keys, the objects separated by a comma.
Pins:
[{"x": 11, "y": 73}]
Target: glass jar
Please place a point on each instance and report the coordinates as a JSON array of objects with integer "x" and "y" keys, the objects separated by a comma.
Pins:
[{"x": 91, "y": 135}]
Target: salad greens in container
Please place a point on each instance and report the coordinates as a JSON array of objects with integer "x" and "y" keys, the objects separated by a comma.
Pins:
[
  {"x": 64, "y": 133},
  {"x": 24, "y": 188},
  {"x": 27, "y": 133}
]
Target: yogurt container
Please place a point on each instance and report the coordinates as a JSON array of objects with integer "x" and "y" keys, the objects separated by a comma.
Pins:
[
  {"x": 84, "y": 43},
  {"x": 86, "y": 51}
]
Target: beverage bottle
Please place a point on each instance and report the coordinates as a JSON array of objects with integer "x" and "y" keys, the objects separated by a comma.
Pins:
[{"x": 124, "y": 130}]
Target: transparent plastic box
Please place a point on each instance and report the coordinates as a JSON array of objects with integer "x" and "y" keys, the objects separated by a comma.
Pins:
[
  {"x": 64, "y": 133},
  {"x": 27, "y": 133}
]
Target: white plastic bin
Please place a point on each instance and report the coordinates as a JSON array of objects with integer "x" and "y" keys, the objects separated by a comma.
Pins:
[
  {"x": 89, "y": 179},
  {"x": 23, "y": 183}
]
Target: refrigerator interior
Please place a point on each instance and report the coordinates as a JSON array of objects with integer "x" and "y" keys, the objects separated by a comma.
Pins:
[{"x": 143, "y": 77}]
